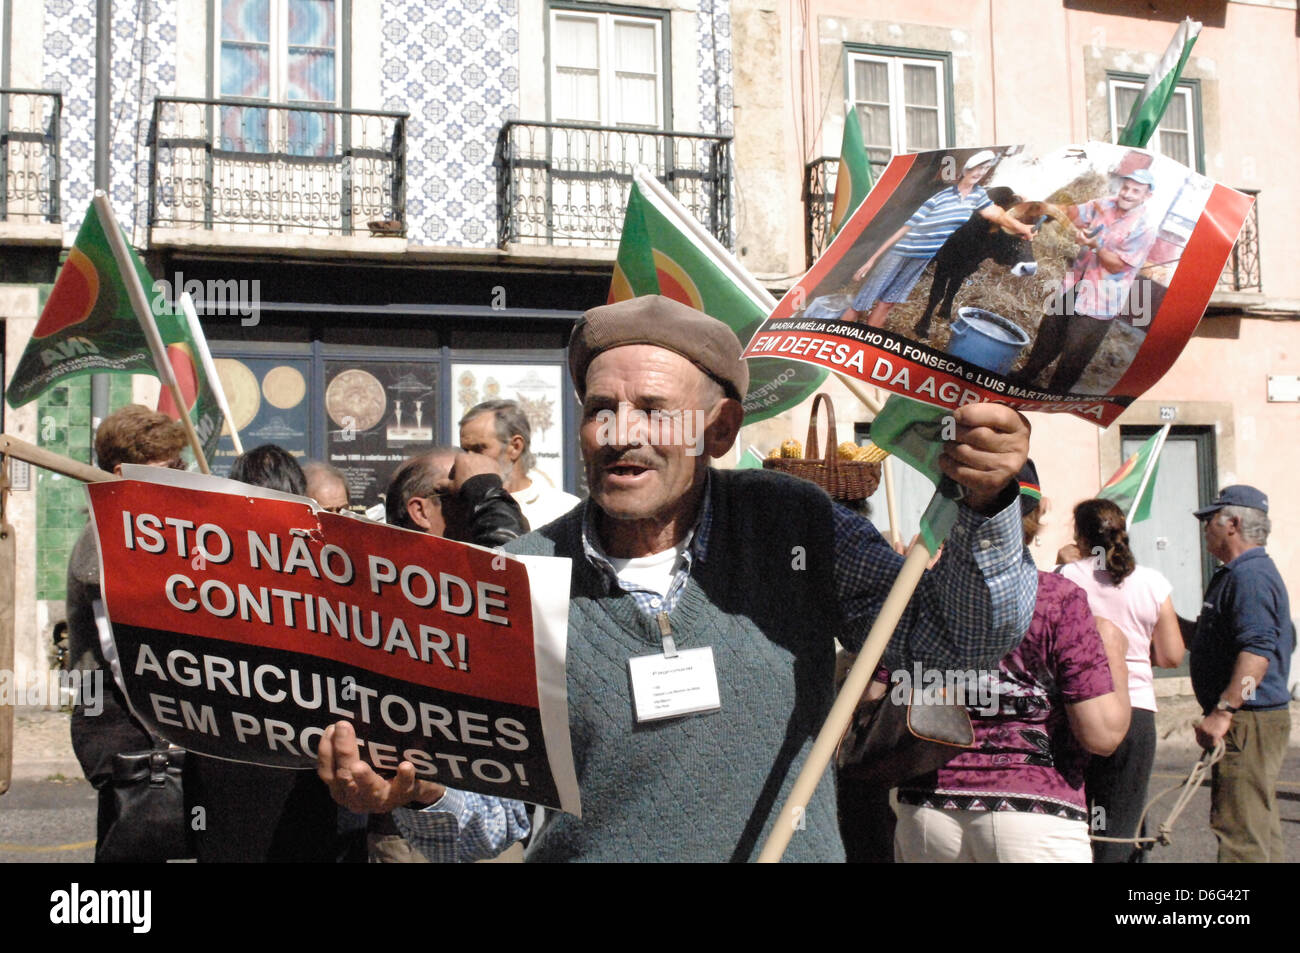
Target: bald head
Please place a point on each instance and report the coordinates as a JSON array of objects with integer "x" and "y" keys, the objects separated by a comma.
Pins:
[
  {"x": 327, "y": 485},
  {"x": 411, "y": 501}
]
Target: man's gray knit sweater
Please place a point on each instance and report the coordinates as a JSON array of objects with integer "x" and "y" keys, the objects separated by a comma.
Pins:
[{"x": 705, "y": 787}]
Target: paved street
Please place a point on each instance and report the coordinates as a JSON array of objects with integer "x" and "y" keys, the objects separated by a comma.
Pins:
[
  {"x": 48, "y": 815},
  {"x": 1192, "y": 841}
]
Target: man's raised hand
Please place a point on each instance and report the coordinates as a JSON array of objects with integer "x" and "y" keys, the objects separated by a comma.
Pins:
[
  {"x": 990, "y": 447},
  {"x": 357, "y": 786}
]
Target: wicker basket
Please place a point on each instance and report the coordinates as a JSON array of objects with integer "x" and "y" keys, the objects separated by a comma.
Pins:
[{"x": 842, "y": 479}]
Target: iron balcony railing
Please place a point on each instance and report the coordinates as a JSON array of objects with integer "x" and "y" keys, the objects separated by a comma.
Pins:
[
  {"x": 29, "y": 155},
  {"x": 561, "y": 184},
  {"x": 1240, "y": 274},
  {"x": 258, "y": 167},
  {"x": 819, "y": 200},
  {"x": 1242, "y": 271}
]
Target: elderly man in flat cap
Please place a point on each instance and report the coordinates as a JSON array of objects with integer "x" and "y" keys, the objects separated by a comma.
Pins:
[{"x": 744, "y": 578}]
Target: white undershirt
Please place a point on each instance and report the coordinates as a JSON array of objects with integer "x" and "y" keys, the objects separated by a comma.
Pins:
[{"x": 653, "y": 572}]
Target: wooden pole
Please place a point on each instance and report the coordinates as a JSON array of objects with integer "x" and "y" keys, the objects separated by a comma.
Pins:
[
  {"x": 143, "y": 314},
  {"x": 13, "y": 447},
  {"x": 792, "y": 812}
]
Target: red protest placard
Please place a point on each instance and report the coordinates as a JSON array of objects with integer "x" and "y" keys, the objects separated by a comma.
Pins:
[
  {"x": 1067, "y": 282},
  {"x": 244, "y": 626}
]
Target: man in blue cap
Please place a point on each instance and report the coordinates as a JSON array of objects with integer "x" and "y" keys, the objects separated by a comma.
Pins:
[
  {"x": 1114, "y": 238},
  {"x": 1240, "y": 656}
]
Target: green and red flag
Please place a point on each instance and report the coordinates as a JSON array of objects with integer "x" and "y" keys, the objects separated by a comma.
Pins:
[
  {"x": 1132, "y": 486},
  {"x": 87, "y": 325},
  {"x": 1145, "y": 116},
  {"x": 854, "y": 178},
  {"x": 663, "y": 251},
  {"x": 187, "y": 352}
]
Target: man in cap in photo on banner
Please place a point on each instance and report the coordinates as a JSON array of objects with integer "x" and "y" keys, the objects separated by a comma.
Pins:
[
  {"x": 1241, "y": 646},
  {"x": 1114, "y": 237},
  {"x": 744, "y": 578}
]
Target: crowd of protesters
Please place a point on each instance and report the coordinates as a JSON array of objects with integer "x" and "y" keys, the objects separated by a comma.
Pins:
[{"x": 666, "y": 540}]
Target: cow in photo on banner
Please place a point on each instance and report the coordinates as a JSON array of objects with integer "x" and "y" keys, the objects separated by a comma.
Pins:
[{"x": 980, "y": 240}]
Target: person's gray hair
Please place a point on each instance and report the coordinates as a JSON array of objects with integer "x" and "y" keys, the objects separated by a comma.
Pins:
[
  {"x": 417, "y": 476},
  {"x": 311, "y": 468},
  {"x": 1253, "y": 524},
  {"x": 510, "y": 421}
]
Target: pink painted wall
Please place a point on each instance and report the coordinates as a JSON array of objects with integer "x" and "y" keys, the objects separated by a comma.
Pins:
[{"x": 1024, "y": 64}]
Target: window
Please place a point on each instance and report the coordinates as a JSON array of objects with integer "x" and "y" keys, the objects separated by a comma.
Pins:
[
  {"x": 607, "y": 69},
  {"x": 277, "y": 51},
  {"x": 903, "y": 99},
  {"x": 1178, "y": 136}
]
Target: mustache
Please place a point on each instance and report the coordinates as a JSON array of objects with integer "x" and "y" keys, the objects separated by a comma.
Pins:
[{"x": 638, "y": 456}]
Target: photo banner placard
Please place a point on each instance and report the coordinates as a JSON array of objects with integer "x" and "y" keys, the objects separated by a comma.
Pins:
[
  {"x": 1065, "y": 282},
  {"x": 245, "y": 622}
]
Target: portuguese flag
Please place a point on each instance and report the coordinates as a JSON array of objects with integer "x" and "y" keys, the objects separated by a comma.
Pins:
[
  {"x": 1133, "y": 485},
  {"x": 854, "y": 179},
  {"x": 658, "y": 253},
  {"x": 87, "y": 325}
]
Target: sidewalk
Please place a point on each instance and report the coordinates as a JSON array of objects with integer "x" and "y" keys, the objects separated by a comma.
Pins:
[{"x": 43, "y": 745}]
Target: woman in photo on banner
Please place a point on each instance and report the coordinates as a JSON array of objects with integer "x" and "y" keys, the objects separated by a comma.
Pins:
[{"x": 897, "y": 264}]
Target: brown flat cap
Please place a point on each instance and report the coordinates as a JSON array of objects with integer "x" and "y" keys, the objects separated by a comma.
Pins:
[{"x": 653, "y": 319}]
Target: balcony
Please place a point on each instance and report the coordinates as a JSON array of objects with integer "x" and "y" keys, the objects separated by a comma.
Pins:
[
  {"x": 1242, "y": 271},
  {"x": 29, "y": 156},
  {"x": 568, "y": 184},
  {"x": 1240, "y": 274},
  {"x": 819, "y": 200},
  {"x": 225, "y": 165}
]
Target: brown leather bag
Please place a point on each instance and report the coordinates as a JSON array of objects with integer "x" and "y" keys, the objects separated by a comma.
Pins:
[{"x": 888, "y": 743}]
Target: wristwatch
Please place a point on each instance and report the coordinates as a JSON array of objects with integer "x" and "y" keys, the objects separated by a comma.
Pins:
[{"x": 1224, "y": 706}]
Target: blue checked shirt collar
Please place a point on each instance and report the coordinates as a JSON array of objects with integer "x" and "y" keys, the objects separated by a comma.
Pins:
[{"x": 648, "y": 601}]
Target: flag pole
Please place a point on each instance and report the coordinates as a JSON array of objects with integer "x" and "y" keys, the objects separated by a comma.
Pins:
[
  {"x": 140, "y": 305},
  {"x": 1146, "y": 474},
  {"x": 846, "y": 703},
  {"x": 741, "y": 274},
  {"x": 209, "y": 368}
]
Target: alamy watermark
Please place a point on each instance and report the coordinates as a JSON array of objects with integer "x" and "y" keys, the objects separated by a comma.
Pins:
[
  {"x": 1102, "y": 298},
  {"x": 54, "y": 688},
  {"x": 84, "y": 905},
  {"x": 212, "y": 297},
  {"x": 972, "y": 688},
  {"x": 658, "y": 428}
]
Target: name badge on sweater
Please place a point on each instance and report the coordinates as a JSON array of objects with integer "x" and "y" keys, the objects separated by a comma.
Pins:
[{"x": 686, "y": 684}]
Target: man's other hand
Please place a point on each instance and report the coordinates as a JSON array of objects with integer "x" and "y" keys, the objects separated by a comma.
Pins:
[
  {"x": 991, "y": 445},
  {"x": 1211, "y": 729},
  {"x": 357, "y": 786},
  {"x": 467, "y": 465}
]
